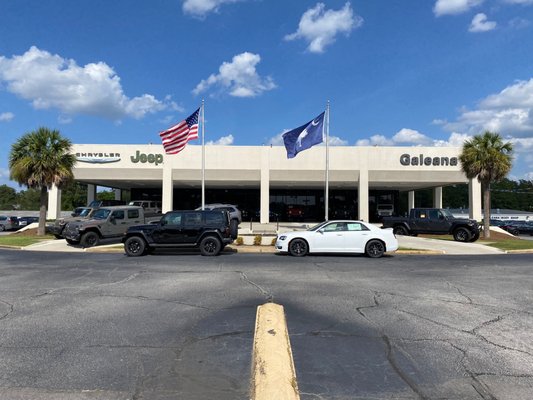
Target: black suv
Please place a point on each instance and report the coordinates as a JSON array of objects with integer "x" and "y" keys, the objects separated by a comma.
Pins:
[{"x": 209, "y": 231}]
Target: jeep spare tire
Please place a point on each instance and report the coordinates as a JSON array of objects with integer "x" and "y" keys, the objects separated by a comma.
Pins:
[{"x": 234, "y": 228}]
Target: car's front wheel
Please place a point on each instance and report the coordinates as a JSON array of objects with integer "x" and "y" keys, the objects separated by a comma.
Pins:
[
  {"x": 2, "y": 228},
  {"x": 461, "y": 235},
  {"x": 375, "y": 248},
  {"x": 90, "y": 239},
  {"x": 210, "y": 246},
  {"x": 134, "y": 246},
  {"x": 298, "y": 248}
]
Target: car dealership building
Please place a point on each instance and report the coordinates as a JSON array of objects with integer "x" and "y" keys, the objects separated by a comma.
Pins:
[{"x": 265, "y": 184}]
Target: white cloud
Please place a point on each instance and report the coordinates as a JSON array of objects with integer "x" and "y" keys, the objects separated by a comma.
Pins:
[
  {"x": 200, "y": 8},
  {"x": 223, "y": 141},
  {"x": 523, "y": 2},
  {"x": 6, "y": 116},
  {"x": 509, "y": 112},
  {"x": 50, "y": 81},
  {"x": 319, "y": 27},
  {"x": 455, "y": 140},
  {"x": 452, "y": 7},
  {"x": 239, "y": 77},
  {"x": 410, "y": 136},
  {"x": 481, "y": 24},
  {"x": 4, "y": 172},
  {"x": 375, "y": 140}
]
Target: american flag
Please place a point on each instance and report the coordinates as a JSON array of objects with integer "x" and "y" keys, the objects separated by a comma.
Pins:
[{"x": 176, "y": 137}]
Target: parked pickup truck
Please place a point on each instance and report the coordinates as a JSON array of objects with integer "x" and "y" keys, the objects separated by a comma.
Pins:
[
  {"x": 104, "y": 223},
  {"x": 434, "y": 221}
]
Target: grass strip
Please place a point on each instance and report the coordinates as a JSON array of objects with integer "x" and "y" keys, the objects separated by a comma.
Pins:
[{"x": 22, "y": 241}]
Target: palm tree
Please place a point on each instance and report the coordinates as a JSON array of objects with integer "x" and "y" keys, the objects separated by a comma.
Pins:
[
  {"x": 40, "y": 159},
  {"x": 490, "y": 160}
]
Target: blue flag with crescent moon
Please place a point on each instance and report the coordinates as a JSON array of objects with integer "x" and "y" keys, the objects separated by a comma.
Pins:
[{"x": 305, "y": 136}]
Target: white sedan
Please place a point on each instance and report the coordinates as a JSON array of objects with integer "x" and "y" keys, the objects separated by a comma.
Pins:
[{"x": 338, "y": 237}]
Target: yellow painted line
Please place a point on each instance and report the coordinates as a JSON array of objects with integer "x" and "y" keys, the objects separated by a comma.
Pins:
[{"x": 273, "y": 373}]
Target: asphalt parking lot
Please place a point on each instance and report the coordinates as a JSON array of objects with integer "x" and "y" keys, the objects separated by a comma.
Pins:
[{"x": 180, "y": 326}]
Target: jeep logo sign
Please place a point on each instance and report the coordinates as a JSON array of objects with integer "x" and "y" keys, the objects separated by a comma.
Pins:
[
  {"x": 147, "y": 158},
  {"x": 407, "y": 159}
]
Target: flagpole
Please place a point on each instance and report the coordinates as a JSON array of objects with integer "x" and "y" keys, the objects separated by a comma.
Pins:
[
  {"x": 326, "y": 194},
  {"x": 203, "y": 155}
]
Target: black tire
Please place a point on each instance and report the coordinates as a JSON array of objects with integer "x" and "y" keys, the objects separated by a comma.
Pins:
[
  {"x": 70, "y": 241},
  {"x": 462, "y": 235},
  {"x": 514, "y": 232},
  {"x": 135, "y": 246},
  {"x": 2, "y": 228},
  {"x": 90, "y": 239},
  {"x": 298, "y": 248},
  {"x": 234, "y": 228},
  {"x": 374, "y": 248},
  {"x": 400, "y": 230},
  {"x": 210, "y": 246},
  {"x": 474, "y": 237}
]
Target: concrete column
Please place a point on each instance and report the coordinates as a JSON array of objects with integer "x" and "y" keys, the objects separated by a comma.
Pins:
[
  {"x": 54, "y": 203},
  {"x": 167, "y": 203},
  {"x": 118, "y": 194},
  {"x": 474, "y": 199},
  {"x": 363, "y": 195},
  {"x": 91, "y": 193},
  {"x": 265, "y": 186},
  {"x": 410, "y": 200},
  {"x": 437, "y": 197}
]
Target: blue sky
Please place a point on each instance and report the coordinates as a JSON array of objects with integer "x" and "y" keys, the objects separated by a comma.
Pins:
[{"x": 417, "y": 72}]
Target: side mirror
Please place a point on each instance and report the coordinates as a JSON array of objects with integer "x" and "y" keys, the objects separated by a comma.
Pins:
[
  {"x": 112, "y": 218},
  {"x": 321, "y": 231},
  {"x": 163, "y": 222},
  {"x": 441, "y": 216}
]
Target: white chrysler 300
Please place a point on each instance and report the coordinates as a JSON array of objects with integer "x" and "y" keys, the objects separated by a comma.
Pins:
[{"x": 338, "y": 237}]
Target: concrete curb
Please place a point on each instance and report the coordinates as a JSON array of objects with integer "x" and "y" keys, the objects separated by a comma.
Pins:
[{"x": 273, "y": 372}]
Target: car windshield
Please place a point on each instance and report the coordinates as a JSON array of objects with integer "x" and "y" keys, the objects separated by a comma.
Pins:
[
  {"x": 85, "y": 212},
  {"x": 318, "y": 226},
  {"x": 446, "y": 213},
  {"x": 101, "y": 213}
]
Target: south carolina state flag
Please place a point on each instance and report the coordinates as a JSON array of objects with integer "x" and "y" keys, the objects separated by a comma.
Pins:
[{"x": 304, "y": 137}]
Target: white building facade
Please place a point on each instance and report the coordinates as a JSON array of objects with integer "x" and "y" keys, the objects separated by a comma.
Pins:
[{"x": 262, "y": 171}]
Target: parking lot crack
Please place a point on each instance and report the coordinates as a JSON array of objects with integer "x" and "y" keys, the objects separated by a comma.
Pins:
[
  {"x": 468, "y": 299},
  {"x": 267, "y": 293},
  {"x": 394, "y": 364},
  {"x": 10, "y": 309}
]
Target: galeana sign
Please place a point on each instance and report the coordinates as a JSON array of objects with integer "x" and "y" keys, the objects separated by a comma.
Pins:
[
  {"x": 407, "y": 159},
  {"x": 147, "y": 158}
]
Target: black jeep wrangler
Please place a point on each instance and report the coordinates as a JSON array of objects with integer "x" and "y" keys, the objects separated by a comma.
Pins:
[{"x": 209, "y": 231}]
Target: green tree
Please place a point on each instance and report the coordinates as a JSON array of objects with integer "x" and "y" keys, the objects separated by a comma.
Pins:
[
  {"x": 40, "y": 159},
  {"x": 489, "y": 159},
  {"x": 28, "y": 199},
  {"x": 8, "y": 197}
]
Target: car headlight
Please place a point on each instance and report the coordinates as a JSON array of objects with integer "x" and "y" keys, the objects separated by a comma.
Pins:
[{"x": 283, "y": 237}]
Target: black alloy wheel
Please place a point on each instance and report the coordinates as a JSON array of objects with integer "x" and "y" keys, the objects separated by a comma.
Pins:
[
  {"x": 461, "y": 235},
  {"x": 90, "y": 239},
  {"x": 474, "y": 237},
  {"x": 298, "y": 248},
  {"x": 400, "y": 230},
  {"x": 135, "y": 246},
  {"x": 375, "y": 248},
  {"x": 210, "y": 246}
]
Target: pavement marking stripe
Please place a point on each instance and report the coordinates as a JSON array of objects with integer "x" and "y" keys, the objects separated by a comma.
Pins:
[{"x": 273, "y": 373}]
